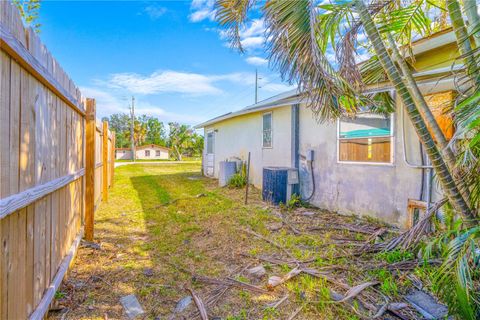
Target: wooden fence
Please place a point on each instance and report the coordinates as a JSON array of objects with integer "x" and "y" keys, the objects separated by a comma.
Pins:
[{"x": 45, "y": 149}]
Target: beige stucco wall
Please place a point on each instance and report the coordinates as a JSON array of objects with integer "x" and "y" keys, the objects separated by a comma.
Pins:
[
  {"x": 140, "y": 154},
  {"x": 126, "y": 155},
  {"x": 377, "y": 190},
  {"x": 237, "y": 136}
]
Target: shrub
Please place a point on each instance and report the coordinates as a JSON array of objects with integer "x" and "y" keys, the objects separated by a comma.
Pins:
[{"x": 237, "y": 181}]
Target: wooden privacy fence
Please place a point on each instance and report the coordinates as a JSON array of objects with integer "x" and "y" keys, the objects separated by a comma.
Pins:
[{"x": 49, "y": 164}]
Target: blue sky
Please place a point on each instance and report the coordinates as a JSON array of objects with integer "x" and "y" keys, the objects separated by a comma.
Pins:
[{"x": 170, "y": 55}]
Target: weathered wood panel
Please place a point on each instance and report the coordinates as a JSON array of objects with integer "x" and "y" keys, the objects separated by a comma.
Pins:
[{"x": 42, "y": 170}]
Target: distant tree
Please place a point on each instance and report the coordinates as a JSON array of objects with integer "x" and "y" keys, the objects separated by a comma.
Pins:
[
  {"x": 155, "y": 132},
  {"x": 139, "y": 131},
  {"x": 120, "y": 123},
  {"x": 29, "y": 10},
  {"x": 179, "y": 139}
]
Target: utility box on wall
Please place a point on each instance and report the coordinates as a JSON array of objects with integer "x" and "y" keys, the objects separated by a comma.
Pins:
[
  {"x": 227, "y": 170},
  {"x": 278, "y": 184}
]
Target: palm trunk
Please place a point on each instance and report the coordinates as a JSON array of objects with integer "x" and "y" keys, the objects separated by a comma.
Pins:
[
  {"x": 463, "y": 41},
  {"x": 441, "y": 169},
  {"x": 428, "y": 116},
  {"x": 473, "y": 19}
]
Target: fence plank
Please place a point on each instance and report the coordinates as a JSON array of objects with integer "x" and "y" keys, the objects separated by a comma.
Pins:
[
  {"x": 90, "y": 169},
  {"x": 29, "y": 269},
  {"x": 24, "y": 198},
  {"x": 105, "y": 161},
  {"x": 4, "y": 127},
  {"x": 48, "y": 296},
  {"x": 14, "y": 48}
]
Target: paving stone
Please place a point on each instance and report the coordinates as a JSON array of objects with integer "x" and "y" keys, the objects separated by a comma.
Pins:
[
  {"x": 182, "y": 304},
  {"x": 132, "y": 306},
  {"x": 427, "y": 305}
]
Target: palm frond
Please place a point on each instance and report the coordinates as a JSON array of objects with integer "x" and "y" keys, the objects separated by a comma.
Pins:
[
  {"x": 232, "y": 15},
  {"x": 294, "y": 49},
  {"x": 407, "y": 21},
  {"x": 454, "y": 278}
]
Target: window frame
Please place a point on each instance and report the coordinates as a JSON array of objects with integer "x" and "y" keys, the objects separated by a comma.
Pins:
[
  {"x": 271, "y": 130},
  {"x": 212, "y": 131},
  {"x": 391, "y": 163},
  {"x": 158, "y": 153},
  {"x": 147, "y": 153}
]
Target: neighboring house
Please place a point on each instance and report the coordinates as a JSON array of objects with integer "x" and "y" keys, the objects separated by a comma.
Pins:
[
  {"x": 150, "y": 151},
  {"x": 367, "y": 165}
]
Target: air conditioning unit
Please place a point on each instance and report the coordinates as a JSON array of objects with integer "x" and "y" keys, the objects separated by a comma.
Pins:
[
  {"x": 227, "y": 170},
  {"x": 278, "y": 184}
]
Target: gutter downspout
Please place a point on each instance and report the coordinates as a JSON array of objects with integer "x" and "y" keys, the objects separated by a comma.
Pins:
[
  {"x": 295, "y": 125},
  {"x": 428, "y": 166}
]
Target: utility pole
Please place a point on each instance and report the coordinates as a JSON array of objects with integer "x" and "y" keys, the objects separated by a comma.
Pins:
[
  {"x": 256, "y": 85},
  {"x": 132, "y": 139}
]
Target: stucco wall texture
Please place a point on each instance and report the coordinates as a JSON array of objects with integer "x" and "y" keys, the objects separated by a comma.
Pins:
[{"x": 377, "y": 190}]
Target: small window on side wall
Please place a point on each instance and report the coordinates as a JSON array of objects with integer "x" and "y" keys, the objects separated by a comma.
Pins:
[
  {"x": 147, "y": 153},
  {"x": 157, "y": 153},
  {"x": 210, "y": 142},
  {"x": 267, "y": 130},
  {"x": 366, "y": 138}
]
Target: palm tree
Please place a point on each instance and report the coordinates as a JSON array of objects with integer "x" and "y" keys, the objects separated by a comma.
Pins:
[
  {"x": 298, "y": 35},
  {"x": 296, "y": 48}
]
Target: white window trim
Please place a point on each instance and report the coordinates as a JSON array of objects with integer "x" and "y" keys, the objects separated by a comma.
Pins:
[
  {"x": 271, "y": 129},
  {"x": 206, "y": 141},
  {"x": 392, "y": 146}
]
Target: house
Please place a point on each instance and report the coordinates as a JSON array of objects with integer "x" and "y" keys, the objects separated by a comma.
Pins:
[
  {"x": 149, "y": 151},
  {"x": 368, "y": 165}
]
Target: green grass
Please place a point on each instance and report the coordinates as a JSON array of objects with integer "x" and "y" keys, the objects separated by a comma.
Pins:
[{"x": 174, "y": 222}]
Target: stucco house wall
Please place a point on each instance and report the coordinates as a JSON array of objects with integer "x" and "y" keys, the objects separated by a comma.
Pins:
[
  {"x": 122, "y": 154},
  {"x": 126, "y": 153},
  {"x": 235, "y": 137},
  {"x": 140, "y": 153},
  {"x": 378, "y": 190}
]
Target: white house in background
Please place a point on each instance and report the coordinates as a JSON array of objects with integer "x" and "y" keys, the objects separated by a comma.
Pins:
[
  {"x": 368, "y": 165},
  {"x": 149, "y": 151}
]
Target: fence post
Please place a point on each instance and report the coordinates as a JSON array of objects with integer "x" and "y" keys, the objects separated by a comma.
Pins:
[
  {"x": 90, "y": 169},
  {"x": 112, "y": 166},
  {"x": 105, "y": 162}
]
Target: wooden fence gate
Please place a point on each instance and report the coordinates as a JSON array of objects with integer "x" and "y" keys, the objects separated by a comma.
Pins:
[{"x": 53, "y": 170}]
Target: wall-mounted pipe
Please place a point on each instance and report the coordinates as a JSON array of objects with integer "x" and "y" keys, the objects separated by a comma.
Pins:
[{"x": 405, "y": 158}]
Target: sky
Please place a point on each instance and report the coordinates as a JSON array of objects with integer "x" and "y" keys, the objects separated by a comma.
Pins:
[{"x": 171, "y": 55}]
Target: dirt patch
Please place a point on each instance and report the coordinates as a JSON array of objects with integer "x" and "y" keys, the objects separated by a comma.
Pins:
[{"x": 163, "y": 232}]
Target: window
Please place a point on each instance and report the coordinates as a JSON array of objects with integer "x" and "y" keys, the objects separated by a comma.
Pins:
[
  {"x": 267, "y": 130},
  {"x": 157, "y": 153},
  {"x": 365, "y": 138},
  {"x": 147, "y": 153},
  {"x": 210, "y": 142}
]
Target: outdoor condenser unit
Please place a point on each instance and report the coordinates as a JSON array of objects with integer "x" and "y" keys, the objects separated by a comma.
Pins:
[
  {"x": 227, "y": 170},
  {"x": 278, "y": 184}
]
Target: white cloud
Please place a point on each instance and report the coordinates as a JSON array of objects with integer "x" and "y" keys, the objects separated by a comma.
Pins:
[
  {"x": 252, "y": 36},
  {"x": 256, "y": 61},
  {"x": 109, "y": 103},
  {"x": 154, "y": 11},
  {"x": 202, "y": 10},
  {"x": 164, "y": 81},
  {"x": 252, "y": 42}
]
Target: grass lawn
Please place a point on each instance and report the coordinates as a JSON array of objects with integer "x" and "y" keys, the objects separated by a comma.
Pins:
[{"x": 166, "y": 227}]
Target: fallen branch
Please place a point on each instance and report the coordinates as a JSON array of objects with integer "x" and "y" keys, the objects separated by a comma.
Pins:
[
  {"x": 199, "y": 304},
  {"x": 413, "y": 236},
  {"x": 253, "y": 233},
  {"x": 274, "y": 281},
  {"x": 230, "y": 282},
  {"x": 355, "y": 291},
  {"x": 279, "y": 302},
  {"x": 296, "y": 312}
]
